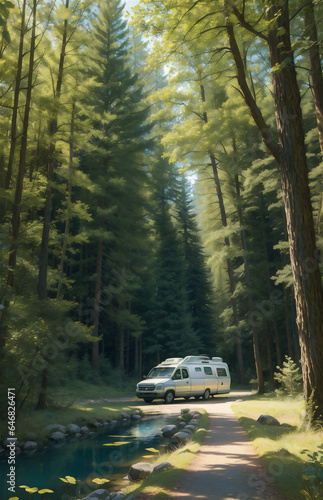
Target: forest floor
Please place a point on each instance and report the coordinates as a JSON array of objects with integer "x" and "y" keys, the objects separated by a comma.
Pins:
[{"x": 227, "y": 466}]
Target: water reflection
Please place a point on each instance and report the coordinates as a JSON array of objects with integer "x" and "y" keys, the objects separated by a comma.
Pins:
[{"x": 85, "y": 459}]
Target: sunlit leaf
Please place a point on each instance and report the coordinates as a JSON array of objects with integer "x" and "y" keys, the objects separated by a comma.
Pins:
[
  {"x": 14, "y": 498},
  {"x": 71, "y": 479},
  {"x": 41, "y": 492},
  {"x": 148, "y": 456},
  {"x": 23, "y": 486},
  {"x": 63, "y": 479},
  {"x": 31, "y": 490},
  {"x": 153, "y": 450},
  {"x": 98, "y": 480}
]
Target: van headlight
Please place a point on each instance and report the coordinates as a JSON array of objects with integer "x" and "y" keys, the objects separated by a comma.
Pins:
[{"x": 159, "y": 387}]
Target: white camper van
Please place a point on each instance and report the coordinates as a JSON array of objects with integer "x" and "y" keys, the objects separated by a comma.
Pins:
[{"x": 197, "y": 376}]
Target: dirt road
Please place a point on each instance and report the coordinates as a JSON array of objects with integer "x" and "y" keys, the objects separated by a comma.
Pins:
[{"x": 226, "y": 467}]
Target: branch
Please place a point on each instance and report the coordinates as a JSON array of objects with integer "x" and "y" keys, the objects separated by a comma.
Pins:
[
  {"x": 247, "y": 25},
  {"x": 259, "y": 120}
]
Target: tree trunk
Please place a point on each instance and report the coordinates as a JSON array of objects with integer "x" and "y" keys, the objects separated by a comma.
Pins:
[
  {"x": 291, "y": 160},
  {"x": 13, "y": 131},
  {"x": 269, "y": 353},
  {"x": 42, "y": 398},
  {"x": 97, "y": 304},
  {"x": 68, "y": 207},
  {"x": 254, "y": 333},
  {"x": 235, "y": 319},
  {"x": 121, "y": 348},
  {"x": 287, "y": 325},
  {"x": 297, "y": 201},
  {"x": 277, "y": 344},
  {"x": 53, "y": 123}
]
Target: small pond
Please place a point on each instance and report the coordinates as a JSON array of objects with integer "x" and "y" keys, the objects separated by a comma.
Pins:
[{"x": 84, "y": 459}]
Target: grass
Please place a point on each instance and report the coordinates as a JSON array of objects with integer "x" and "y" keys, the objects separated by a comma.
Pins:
[
  {"x": 65, "y": 408},
  {"x": 284, "y": 467},
  {"x": 158, "y": 485}
]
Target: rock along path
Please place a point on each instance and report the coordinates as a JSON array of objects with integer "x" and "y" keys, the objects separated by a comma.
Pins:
[{"x": 226, "y": 466}]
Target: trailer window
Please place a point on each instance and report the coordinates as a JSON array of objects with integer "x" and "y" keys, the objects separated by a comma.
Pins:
[
  {"x": 184, "y": 373},
  {"x": 221, "y": 372},
  {"x": 198, "y": 369},
  {"x": 177, "y": 375},
  {"x": 208, "y": 370}
]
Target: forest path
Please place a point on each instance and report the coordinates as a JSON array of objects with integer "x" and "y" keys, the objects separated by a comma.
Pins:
[{"x": 226, "y": 466}]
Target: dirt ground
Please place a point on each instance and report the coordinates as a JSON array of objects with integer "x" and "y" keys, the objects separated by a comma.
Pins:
[{"x": 226, "y": 467}]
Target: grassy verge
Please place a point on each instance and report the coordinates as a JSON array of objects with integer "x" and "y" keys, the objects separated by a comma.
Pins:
[
  {"x": 65, "y": 408},
  {"x": 158, "y": 485},
  {"x": 280, "y": 447}
]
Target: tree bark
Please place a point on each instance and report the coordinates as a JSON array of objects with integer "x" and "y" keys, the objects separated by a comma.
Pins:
[
  {"x": 254, "y": 333},
  {"x": 13, "y": 131},
  {"x": 290, "y": 155},
  {"x": 53, "y": 125},
  {"x": 97, "y": 304},
  {"x": 68, "y": 207},
  {"x": 232, "y": 286}
]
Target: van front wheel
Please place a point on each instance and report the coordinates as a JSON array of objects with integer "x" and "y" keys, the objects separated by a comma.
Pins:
[
  {"x": 169, "y": 397},
  {"x": 206, "y": 394}
]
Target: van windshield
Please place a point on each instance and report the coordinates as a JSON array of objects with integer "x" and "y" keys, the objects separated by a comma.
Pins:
[{"x": 161, "y": 372}]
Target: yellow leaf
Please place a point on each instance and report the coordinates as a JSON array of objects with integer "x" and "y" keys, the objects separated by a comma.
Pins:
[
  {"x": 62, "y": 479},
  {"x": 41, "y": 492},
  {"x": 31, "y": 490},
  {"x": 147, "y": 456},
  {"x": 14, "y": 498},
  {"x": 97, "y": 480},
  {"x": 23, "y": 486},
  {"x": 71, "y": 479},
  {"x": 153, "y": 450}
]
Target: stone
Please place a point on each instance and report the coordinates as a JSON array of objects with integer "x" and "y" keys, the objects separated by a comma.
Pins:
[
  {"x": 57, "y": 436},
  {"x": 139, "y": 471},
  {"x": 195, "y": 414},
  {"x": 182, "y": 437},
  {"x": 163, "y": 466},
  {"x": 189, "y": 428},
  {"x": 72, "y": 429},
  {"x": 267, "y": 420},
  {"x": 98, "y": 425},
  {"x": 119, "y": 496},
  {"x": 181, "y": 425},
  {"x": 100, "y": 494},
  {"x": 78, "y": 435},
  {"x": 84, "y": 429},
  {"x": 194, "y": 421},
  {"x": 125, "y": 415},
  {"x": 30, "y": 445},
  {"x": 136, "y": 417},
  {"x": 56, "y": 427},
  {"x": 185, "y": 410},
  {"x": 114, "y": 422},
  {"x": 169, "y": 430}
]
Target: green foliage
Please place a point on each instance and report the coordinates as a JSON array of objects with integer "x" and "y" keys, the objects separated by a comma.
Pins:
[
  {"x": 313, "y": 476},
  {"x": 289, "y": 378}
]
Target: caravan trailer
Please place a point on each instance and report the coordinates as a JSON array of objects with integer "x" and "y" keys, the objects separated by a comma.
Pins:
[{"x": 197, "y": 376}]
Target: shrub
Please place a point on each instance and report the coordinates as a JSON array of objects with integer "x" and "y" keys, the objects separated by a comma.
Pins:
[{"x": 289, "y": 378}]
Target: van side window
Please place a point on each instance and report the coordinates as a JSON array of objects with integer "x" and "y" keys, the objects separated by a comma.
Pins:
[
  {"x": 177, "y": 374},
  {"x": 208, "y": 370},
  {"x": 221, "y": 372},
  {"x": 184, "y": 373},
  {"x": 198, "y": 369}
]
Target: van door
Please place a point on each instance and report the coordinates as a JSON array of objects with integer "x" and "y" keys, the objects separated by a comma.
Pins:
[
  {"x": 182, "y": 382},
  {"x": 211, "y": 380},
  {"x": 224, "y": 379}
]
